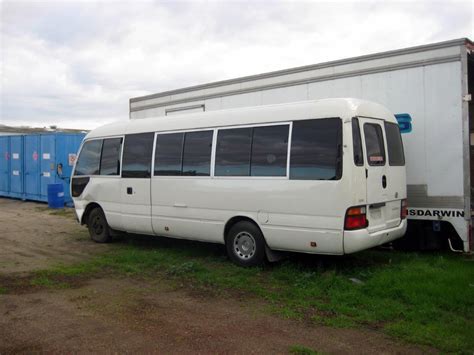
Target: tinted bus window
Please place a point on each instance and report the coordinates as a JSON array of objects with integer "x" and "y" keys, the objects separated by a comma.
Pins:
[
  {"x": 233, "y": 152},
  {"x": 110, "y": 160},
  {"x": 374, "y": 144},
  {"x": 89, "y": 160},
  {"x": 269, "y": 151},
  {"x": 394, "y": 144},
  {"x": 169, "y": 153},
  {"x": 137, "y": 152},
  {"x": 197, "y": 153},
  {"x": 315, "y": 149},
  {"x": 357, "y": 143}
]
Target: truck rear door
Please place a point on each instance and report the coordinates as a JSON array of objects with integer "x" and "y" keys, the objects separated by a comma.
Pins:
[{"x": 385, "y": 183}]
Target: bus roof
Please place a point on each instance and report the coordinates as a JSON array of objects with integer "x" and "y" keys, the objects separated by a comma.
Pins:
[{"x": 345, "y": 108}]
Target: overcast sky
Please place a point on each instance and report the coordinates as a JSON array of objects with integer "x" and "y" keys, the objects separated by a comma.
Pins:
[{"x": 76, "y": 63}]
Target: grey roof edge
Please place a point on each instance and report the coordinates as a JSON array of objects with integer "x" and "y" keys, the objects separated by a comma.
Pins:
[{"x": 409, "y": 50}]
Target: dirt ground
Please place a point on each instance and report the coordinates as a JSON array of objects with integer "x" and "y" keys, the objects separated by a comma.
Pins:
[{"x": 120, "y": 314}]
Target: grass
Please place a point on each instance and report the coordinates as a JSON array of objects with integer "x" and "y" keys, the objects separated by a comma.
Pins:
[
  {"x": 3, "y": 290},
  {"x": 302, "y": 350},
  {"x": 421, "y": 298},
  {"x": 45, "y": 280}
]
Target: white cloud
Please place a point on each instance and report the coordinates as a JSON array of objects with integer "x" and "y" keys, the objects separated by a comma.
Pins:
[{"x": 77, "y": 63}]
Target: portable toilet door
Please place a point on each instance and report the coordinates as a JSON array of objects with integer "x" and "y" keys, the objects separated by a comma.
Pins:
[
  {"x": 47, "y": 165},
  {"x": 5, "y": 166},
  {"x": 16, "y": 165},
  {"x": 32, "y": 167}
]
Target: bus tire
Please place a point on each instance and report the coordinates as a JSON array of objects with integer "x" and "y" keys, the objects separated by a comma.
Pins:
[
  {"x": 99, "y": 229},
  {"x": 245, "y": 244}
]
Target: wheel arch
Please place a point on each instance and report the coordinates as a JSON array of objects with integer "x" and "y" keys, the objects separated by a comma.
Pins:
[
  {"x": 88, "y": 210},
  {"x": 236, "y": 219}
]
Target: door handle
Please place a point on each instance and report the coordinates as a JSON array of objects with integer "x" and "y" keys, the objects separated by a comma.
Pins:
[
  {"x": 384, "y": 181},
  {"x": 182, "y": 205},
  {"x": 129, "y": 190}
]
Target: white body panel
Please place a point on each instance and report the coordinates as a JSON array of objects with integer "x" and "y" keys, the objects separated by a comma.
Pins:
[
  {"x": 427, "y": 82},
  {"x": 292, "y": 214}
]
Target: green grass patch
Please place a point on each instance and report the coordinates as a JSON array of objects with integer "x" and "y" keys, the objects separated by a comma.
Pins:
[
  {"x": 3, "y": 290},
  {"x": 422, "y": 298},
  {"x": 44, "y": 280},
  {"x": 302, "y": 350}
]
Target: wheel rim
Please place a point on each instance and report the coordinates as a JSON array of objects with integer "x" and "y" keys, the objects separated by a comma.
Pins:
[
  {"x": 244, "y": 245},
  {"x": 97, "y": 225}
]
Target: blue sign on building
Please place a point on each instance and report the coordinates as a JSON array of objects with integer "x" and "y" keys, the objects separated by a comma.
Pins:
[{"x": 404, "y": 121}]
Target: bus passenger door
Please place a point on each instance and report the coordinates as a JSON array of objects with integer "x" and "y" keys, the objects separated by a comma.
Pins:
[{"x": 135, "y": 183}]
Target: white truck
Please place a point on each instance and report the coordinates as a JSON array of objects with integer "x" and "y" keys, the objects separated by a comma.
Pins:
[{"x": 427, "y": 87}]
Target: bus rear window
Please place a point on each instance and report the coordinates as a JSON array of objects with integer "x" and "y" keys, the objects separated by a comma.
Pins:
[
  {"x": 396, "y": 156},
  {"x": 374, "y": 144}
]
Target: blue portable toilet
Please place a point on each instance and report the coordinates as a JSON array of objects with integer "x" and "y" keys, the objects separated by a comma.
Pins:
[
  {"x": 5, "y": 166},
  {"x": 16, "y": 166},
  {"x": 33, "y": 161}
]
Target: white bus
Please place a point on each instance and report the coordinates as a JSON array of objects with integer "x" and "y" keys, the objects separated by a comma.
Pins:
[{"x": 322, "y": 177}]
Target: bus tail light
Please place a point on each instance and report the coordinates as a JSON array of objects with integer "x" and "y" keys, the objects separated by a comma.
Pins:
[
  {"x": 404, "y": 209},
  {"x": 356, "y": 218}
]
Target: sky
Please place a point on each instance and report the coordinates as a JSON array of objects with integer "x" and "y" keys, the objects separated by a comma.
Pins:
[{"x": 76, "y": 64}]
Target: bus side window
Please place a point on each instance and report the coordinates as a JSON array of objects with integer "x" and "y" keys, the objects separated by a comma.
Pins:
[
  {"x": 315, "y": 149},
  {"x": 197, "y": 153},
  {"x": 169, "y": 154},
  {"x": 137, "y": 152},
  {"x": 110, "y": 160},
  {"x": 88, "y": 162},
  {"x": 269, "y": 151},
  {"x": 233, "y": 152}
]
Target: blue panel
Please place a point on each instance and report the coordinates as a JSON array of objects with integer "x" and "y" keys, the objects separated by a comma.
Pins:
[
  {"x": 16, "y": 165},
  {"x": 5, "y": 166},
  {"x": 404, "y": 122},
  {"x": 47, "y": 165},
  {"x": 32, "y": 167}
]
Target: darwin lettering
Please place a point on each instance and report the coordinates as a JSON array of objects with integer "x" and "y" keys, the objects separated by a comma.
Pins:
[{"x": 435, "y": 213}]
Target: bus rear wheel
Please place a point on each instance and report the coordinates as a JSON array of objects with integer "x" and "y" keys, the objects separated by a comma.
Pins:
[
  {"x": 99, "y": 230},
  {"x": 245, "y": 244}
]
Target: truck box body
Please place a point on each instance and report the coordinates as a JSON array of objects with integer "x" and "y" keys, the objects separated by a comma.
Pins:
[
  {"x": 29, "y": 162},
  {"x": 427, "y": 87}
]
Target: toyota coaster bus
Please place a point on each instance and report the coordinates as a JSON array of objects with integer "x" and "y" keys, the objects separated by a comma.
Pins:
[{"x": 321, "y": 177}]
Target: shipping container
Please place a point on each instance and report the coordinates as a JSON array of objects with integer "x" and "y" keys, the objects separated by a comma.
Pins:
[
  {"x": 29, "y": 162},
  {"x": 429, "y": 88}
]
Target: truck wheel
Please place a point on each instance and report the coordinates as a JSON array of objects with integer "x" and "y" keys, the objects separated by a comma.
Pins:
[
  {"x": 245, "y": 244},
  {"x": 98, "y": 228}
]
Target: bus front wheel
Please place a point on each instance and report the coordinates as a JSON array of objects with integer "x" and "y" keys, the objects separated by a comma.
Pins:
[
  {"x": 98, "y": 228},
  {"x": 245, "y": 244}
]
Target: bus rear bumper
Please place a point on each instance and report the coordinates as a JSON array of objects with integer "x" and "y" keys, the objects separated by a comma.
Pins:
[{"x": 358, "y": 240}]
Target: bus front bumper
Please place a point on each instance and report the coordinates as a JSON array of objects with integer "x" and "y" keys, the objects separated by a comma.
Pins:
[{"x": 361, "y": 239}]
